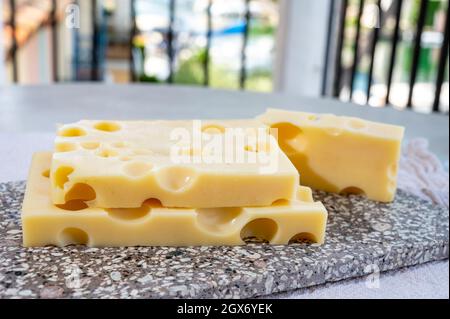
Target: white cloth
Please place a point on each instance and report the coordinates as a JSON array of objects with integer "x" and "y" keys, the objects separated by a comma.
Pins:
[
  {"x": 422, "y": 173},
  {"x": 423, "y": 281}
]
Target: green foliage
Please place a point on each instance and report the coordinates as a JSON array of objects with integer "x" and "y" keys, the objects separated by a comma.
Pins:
[
  {"x": 191, "y": 72},
  {"x": 259, "y": 30},
  {"x": 148, "y": 78},
  {"x": 259, "y": 80}
]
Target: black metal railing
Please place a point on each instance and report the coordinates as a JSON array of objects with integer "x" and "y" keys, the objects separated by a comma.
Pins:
[
  {"x": 442, "y": 63},
  {"x": 356, "y": 47},
  {"x": 14, "y": 46},
  {"x": 206, "y": 61},
  {"x": 341, "y": 77},
  {"x": 133, "y": 32},
  {"x": 94, "y": 74},
  {"x": 417, "y": 48},
  {"x": 338, "y": 80},
  {"x": 170, "y": 40},
  {"x": 339, "y": 50},
  {"x": 373, "y": 46},
  {"x": 53, "y": 20},
  {"x": 394, "y": 45},
  {"x": 90, "y": 51},
  {"x": 54, "y": 37},
  {"x": 95, "y": 43},
  {"x": 243, "y": 75}
]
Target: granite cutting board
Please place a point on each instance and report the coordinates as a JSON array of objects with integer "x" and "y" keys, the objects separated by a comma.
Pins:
[{"x": 362, "y": 237}]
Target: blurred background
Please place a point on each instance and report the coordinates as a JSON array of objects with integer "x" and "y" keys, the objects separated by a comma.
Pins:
[{"x": 375, "y": 52}]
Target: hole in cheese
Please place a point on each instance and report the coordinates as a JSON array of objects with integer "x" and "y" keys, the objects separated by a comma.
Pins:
[
  {"x": 119, "y": 144},
  {"x": 303, "y": 238},
  {"x": 251, "y": 148},
  {"x": 73, "y": 205},
  {"x": 259, "y": 147},
  {"x": 90, "y": 145},
  {"x": 286, "y": 131},
  {"x": 281, "y": 202},
  {"x": 313, "y": 117},
  {"x": 352, "y": 191},
  {"x": 218, "y": 219},
  {"x": 176, "y": 178},
  {"x": 61, "y": 175},
  {"x": 65, "y": 147},
  {"x": 107, "y": 126},
  {"x": 73, "y": 236},
  {"x": 129, "y": 214},
  {"x": 46, "y": 173},
  {"x": 213, "y": 129},
  {"x": 290, "y": 137},
  {"x": 153, "y": 203},
  {"x": 137, "y": 169},
  {"x": 80, "y": 191},
  {"x": 106, "y": 153},
  {"x": 392, "y": 171},
  {"x": 262, "y": 228},
  {"x": 72, "y": 132}
]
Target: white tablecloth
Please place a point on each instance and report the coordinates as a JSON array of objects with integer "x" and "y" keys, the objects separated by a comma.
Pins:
[{"x": 425, "y": 281}]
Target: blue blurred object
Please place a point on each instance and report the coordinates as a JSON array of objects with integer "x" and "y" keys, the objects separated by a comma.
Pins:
[{"x": 235, "y": 29}]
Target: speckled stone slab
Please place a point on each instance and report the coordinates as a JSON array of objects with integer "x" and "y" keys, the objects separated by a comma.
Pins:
[{"x": 362, "y": 237}]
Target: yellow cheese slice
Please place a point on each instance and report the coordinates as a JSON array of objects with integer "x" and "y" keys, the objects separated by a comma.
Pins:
[
  {"x": 152, "y": 225},
  {"x": 180, "y": 163},
  {"x": 340, "y": 154}
]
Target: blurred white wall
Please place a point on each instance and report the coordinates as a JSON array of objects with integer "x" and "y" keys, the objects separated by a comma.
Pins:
[
  {"x": 301, "y": 46},
  {"x": 34, "y": 59}
]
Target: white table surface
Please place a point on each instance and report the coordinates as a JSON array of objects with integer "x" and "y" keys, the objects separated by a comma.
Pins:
[{"x": 28, "y": 116}]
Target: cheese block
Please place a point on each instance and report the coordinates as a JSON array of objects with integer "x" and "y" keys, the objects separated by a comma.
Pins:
[
  {"x": 340, "y": 154},
  {"x": 151, "y": 225},
  {"x": 180, "y": 163}
]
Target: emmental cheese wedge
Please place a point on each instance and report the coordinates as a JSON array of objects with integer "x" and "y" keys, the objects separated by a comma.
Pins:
[
  {"x": 152, "y": 225},
  {"x": 340, "y": 154},
  {"x": 180, "y": 163}
]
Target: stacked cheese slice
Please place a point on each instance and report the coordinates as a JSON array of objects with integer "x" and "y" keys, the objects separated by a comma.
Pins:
[
  {"x": 180, "y": 183},
  {"x": 174, "y": 183},
  {"x": 340, "y": 154}
]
